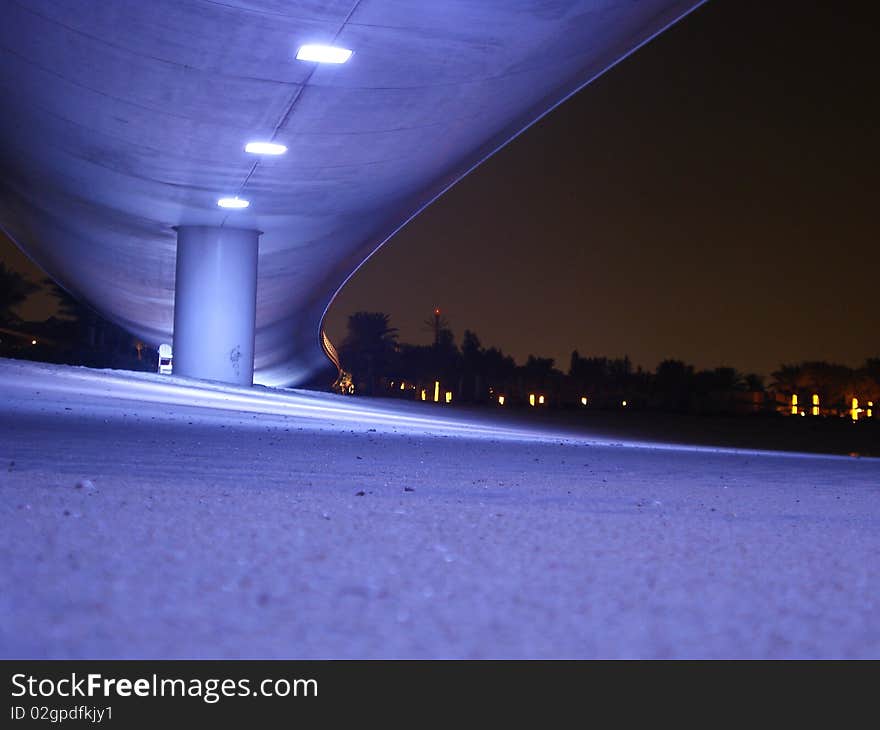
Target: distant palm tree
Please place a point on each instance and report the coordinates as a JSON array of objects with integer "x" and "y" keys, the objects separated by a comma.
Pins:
[
  {"x": 787, "y": 378},
  {"x": 728, "y": 379},
  {"x": 369, "y": 347},
  {"x": 754, "y": 382},
  {"x": 834, "y": 384},
  {"x": 14, "y": 290},
  {"x": 371, "y": 331}
]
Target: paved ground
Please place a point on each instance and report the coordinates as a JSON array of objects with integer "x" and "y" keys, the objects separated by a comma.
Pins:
[{"x": 146, "y": 518}]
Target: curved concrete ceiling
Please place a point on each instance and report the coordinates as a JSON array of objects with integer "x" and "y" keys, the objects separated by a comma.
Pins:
[{"x": 124, "y": 119}]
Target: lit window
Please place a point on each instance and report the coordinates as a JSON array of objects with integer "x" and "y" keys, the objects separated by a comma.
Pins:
[
  {"x": 500, "y": 400},
  {"x": 449, "y": 396},
  {"x": 436, "y": 391},
  {"x": 531, "y": 399}
]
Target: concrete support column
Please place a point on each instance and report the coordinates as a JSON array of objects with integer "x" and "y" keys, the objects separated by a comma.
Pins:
[{"x": 215, "y": 303}]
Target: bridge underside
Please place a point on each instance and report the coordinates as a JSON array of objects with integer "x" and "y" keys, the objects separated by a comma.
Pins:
[{"x": 127, "y": 120}]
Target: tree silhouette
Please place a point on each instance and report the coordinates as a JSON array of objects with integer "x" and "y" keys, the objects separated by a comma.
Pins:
[
  {"x": 725, "y": 379},
  {"x": 785, "y": 380},
  {"x": 473, "y": 371},
  {"x": 754, "y": 382},
  {"x": 834, "y": 384},
  {"x": 872, "y": 368},
  {"x": 369, "y": 348},
  {"x": 87, "y": 327},
  {"x": 499, "y": 367},
  {"x": 14, "y": 290},
  {"x": 481, "y": 373},
  {"x": 68, "y": 306},
  {"x": 538, "y": 367},
  {"x": 673, "y": 384}
]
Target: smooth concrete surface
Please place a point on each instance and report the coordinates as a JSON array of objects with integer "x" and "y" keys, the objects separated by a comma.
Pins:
[
  {"x": 215, "y": 302},
  {"x": 142, "y": 517},
  {"x": 129, "y": 118}
]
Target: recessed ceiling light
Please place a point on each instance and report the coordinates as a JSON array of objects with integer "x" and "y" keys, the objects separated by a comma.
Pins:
[
  {"x": 235, "y": 202},
  {"x": 265, "y": 148},
  {"x": 323, "y": 54}
]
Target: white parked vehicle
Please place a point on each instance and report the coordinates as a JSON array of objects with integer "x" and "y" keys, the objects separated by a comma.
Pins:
[{"x": 166, "y": 359}]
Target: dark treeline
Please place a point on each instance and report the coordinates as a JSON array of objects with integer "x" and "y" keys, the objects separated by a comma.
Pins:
[
  {"x": 77, "y": 336},
  {"x": 379, "y": 364}
]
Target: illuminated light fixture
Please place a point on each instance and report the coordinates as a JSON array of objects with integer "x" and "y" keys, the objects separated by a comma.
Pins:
[
  {"x": 870, "y": 412},
  {"x": 33, "y": 342},
  {"x": 235, "y": 203},
  {"x": 623, "y": 403},
  {"x": 583, "y": 400},
  {"x": 500, "y": 400},
  {"x": 322, "y": 54},
  {"x": 265, "y": 148},
  {"x": 403, "y": 385},
  {"x": 541, "y": 399},
  {"x": 531, "y": 399},
  {"x": 436, "y": 391},
  {"x": 449, "y": 396}
]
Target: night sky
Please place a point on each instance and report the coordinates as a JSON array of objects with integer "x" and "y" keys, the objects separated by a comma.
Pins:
[{"x": 713, "y": 198}]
